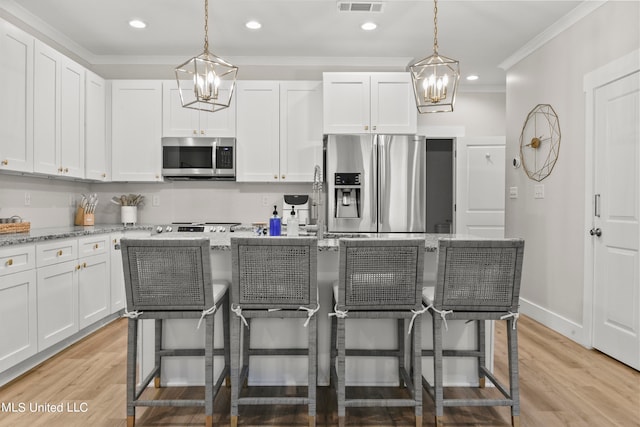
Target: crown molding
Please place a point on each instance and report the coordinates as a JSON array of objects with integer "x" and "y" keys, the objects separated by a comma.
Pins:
[{"x": 575, "y": 15}]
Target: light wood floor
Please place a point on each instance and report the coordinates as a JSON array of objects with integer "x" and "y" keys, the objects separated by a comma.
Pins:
[{"x": 562, "y": 385}]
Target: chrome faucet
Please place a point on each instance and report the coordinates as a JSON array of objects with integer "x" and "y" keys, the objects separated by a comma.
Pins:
[{"x": 317, "y": 199}]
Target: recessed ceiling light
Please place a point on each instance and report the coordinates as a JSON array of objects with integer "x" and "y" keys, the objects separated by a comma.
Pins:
[
  {"x": 368, "y": 26},
  {"x": 472, "y": 77},
  {"x": 253, "y": 25},
  {"x": 136, "y": 23}
]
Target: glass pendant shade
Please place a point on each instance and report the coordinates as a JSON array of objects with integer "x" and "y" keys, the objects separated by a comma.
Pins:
[
  {"x": 435, "y": 83},
  {"x": 206, "y": 82}
]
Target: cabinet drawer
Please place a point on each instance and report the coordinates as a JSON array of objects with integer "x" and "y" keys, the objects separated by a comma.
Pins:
[
  {"x": 17, "y": 258},
  {"x": 56, "y": 252},
  {"x": 93, "y": 245}
]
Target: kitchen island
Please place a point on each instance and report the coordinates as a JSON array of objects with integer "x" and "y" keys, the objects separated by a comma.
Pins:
[{"x": 269, "y": 370}]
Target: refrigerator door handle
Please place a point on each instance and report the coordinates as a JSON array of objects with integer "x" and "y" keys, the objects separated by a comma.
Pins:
[
  {"x": 382, "y": 181},
  {"x": 373, "y": 197}
]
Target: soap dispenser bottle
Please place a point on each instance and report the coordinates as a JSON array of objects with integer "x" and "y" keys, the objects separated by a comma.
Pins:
[
  {"x": 274, "y": 223},
  {"x": 293, "y": 224}
]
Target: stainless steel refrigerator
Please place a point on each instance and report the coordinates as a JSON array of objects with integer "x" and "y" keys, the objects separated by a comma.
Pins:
[{"x": 376, "y": 183}]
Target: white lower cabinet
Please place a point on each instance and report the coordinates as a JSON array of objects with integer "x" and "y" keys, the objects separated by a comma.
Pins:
[
  {"x": 94, "y": 287},
  {"x": 57, "y": 303},
  {"x": 73, "y": 282},
  {"x": 18, "y": 317}
]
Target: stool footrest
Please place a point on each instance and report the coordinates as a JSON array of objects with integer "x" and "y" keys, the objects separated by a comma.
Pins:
[{"x": 356, "y": 403}]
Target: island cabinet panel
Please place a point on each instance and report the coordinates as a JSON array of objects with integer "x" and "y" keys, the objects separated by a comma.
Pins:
[{"x": 16, "y": 102}]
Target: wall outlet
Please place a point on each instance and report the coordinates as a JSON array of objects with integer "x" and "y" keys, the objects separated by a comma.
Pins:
[
  {"x": 27, "y": 199},
  {"x": 72, "y": 200},
  {"x": 155, "y": 200},
  {"x": 265, "y": 200},
  {"x": 513, "y": 192},
  {"x": 538, "y": 191}
]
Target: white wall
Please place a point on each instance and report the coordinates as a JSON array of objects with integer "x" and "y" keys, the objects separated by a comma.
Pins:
[{"x": 553, "y": 227}]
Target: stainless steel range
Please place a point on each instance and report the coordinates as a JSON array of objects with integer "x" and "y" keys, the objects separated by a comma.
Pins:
[{"x": 196, "y": 227}]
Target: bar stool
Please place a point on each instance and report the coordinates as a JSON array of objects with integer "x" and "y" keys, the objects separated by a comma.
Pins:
[
  {"x": 171, "y": 279},
  {"x": 477, "y": 280},
  {"x": 379, "y": 279},
  {"x": 273, "y": 277}
]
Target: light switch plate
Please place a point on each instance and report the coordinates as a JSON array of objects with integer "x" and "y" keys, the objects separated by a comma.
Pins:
[
  {"x": 155, "y": 200},
  {"x": 538, "y": 191},
  {"x": 513, "y": 192}
]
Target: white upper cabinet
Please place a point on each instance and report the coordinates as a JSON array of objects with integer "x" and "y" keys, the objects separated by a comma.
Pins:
[
  {"x": 300, "y": 130},
  {"x": 369, "y": 103},
  {"x": 136, "y": 129},
  {"x": 58, "y": 129},
  {"x": 258, "y": 142},
  {"x": 178, "y": 121},
  {"x": 96, "y": 153},
  {"x": 279, "y": 130},
  {"x": 16, "y": 99}
]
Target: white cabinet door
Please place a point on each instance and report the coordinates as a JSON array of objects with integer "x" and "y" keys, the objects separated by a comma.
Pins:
[
  {"x": 18, "y": 318},
  {"x": 46, "y": 111},
  {"x": 369, "y": 103},
  {"x": 393, "y": 107},
  {"x": 258, "y": 131},
  {"x": 178, "y": 121},
  {"x": 57, "y": 300},
  {"x": 94, "y": 289},
  {"x": 72, "y": 118},
  {"x": 346, "y": 103},
  {"x": 300, "y": 130},
  {"x": 136, "y": 129},
  {"x": 96, "y": 153},
  {"x": 58, "y": 114},
  {"x": 16, "y": 101}
]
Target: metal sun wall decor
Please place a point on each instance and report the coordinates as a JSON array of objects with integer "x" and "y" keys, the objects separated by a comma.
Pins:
[{"x": 540, "y": 142}]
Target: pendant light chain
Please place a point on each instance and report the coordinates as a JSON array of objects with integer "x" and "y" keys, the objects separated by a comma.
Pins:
[
  {"x": 206, "y": 26},
  {"x": 435, "y": 26}
]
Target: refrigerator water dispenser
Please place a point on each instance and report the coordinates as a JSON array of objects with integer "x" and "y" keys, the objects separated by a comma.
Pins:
[{"x": 347, "y": 195}]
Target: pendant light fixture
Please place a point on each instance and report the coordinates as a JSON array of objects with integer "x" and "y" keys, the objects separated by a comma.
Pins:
[
  {"x": 206, "y": 82},
  {"x": 435, "y": 78}
]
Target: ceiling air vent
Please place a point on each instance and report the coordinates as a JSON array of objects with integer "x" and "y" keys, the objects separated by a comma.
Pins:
[{"x": 347, "y": 6}]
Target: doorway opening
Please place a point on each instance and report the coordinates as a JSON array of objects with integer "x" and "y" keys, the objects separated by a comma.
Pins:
[{"x": 440, "y": 186}]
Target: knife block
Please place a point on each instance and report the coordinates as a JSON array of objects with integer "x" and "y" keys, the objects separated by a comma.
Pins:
[{"x": 83, "y": 218}]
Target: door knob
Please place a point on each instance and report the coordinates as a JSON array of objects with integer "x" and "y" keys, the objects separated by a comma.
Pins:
[{"x": 595, "y": 232}]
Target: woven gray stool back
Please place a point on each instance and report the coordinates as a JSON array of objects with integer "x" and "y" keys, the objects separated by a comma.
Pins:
[
  {"x": 167, "y": 274},
  {"x": 477, "y": 280},
  {"x": 380, "y": 274},
  {"x": 479, "y": 275},
  {"x": 172, "y": 279},
  {"x": 379, "y": 279},
  {"x": 273, "y": 277}
]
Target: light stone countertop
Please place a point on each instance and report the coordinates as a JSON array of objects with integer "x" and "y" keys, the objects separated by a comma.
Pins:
[
  {"x": 38, "y": 235},
  {"x": 219, "y": 241}
]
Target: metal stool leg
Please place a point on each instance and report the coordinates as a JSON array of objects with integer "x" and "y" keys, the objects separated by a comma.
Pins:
[
  {"x": 132, "y": 355},
  {"x": 158, "y": 347},
  {"x": 480, "y": 337},
  {"x": 437, "y": 369}
]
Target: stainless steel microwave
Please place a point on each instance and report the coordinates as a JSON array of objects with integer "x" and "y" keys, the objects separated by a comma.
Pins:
[{"x": 199, "y": 158}]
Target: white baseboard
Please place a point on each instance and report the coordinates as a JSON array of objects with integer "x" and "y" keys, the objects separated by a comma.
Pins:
[{"x": 558, "y": 323}]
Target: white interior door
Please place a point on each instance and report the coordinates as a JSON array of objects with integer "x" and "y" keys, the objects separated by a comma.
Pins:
[
  {"x": 616, "y": 235},
  {"x": 480, "y": 186}
]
